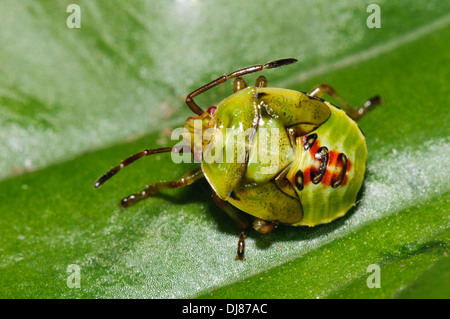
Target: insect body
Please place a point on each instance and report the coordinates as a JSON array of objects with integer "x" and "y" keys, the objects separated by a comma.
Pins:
[{"x": 312, "y": 177}]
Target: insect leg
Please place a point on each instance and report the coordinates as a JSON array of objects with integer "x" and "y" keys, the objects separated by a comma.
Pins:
[
  {"x": 151, "y": 189},
  {"x": 261, "y": 82},
  {"x": 320, "y": 90},
  {"x": 133, "y": 158},
  {"x": 241, "y": 72},
  {"x": 264, "y": 226},
  {"x": 241, "y": 222},
  {"x": 239, "y": 84}
]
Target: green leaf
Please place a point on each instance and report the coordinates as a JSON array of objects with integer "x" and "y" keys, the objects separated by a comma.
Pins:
[{"x": 74, "y": 102}]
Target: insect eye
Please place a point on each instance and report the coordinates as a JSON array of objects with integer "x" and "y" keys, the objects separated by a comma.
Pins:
[
  {"x": 320, "y": 165},
  {"x": 341, "y": 169},
  {"x": 309, "y": 140},
  {"x": 299, "y": 180}
]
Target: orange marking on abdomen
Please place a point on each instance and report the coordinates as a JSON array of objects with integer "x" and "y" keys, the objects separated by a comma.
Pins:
[
  {"x": 329, "y": 174},
  {"x": 332, "y": 157},
  {"x": 349, "y": 166},
  {"x": 314, "y": 148}
]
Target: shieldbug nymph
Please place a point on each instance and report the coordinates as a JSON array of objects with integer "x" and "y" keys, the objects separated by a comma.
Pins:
[{"x": 320, "y": 153}]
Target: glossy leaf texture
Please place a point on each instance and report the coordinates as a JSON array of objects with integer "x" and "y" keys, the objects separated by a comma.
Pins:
[{"x": 75, "y": 102}]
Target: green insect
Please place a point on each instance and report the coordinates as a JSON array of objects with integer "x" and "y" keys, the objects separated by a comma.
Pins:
[{"x": 319, "y": 162}]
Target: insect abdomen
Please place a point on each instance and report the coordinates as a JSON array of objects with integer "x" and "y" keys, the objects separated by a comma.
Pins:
[{"x": 332, "y": 164}]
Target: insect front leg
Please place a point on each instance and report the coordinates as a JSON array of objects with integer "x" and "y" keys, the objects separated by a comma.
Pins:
[
  {"x": 239, "y": 84},
  {"x": 151, "y": 189},
  {"x": 261, "y": 82},
  {"x": 241, "y": 222},
  {"x": 320, "y": 90}
]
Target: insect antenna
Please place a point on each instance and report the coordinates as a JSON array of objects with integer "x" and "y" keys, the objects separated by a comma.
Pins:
[
  {"x": 238, "y": 73},
  {"x": 133, "y": 158},
  {"x": 278, "y": 63}
]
